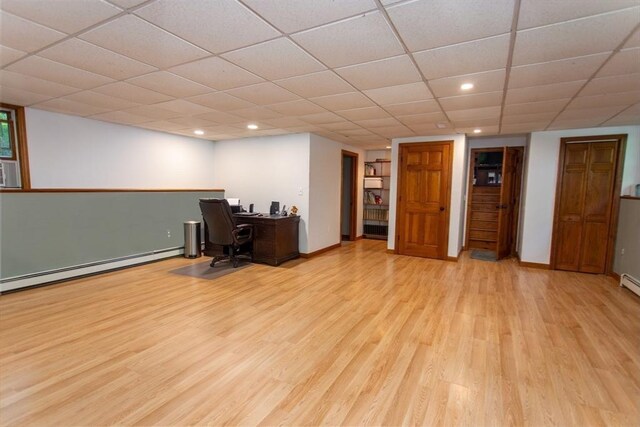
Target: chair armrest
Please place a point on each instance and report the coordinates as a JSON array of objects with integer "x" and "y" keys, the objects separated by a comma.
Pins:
[{"x": 242, "y": 229}]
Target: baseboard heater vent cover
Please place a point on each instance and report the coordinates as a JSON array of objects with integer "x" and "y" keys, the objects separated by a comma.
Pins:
[{"x": 631, "y": 283}]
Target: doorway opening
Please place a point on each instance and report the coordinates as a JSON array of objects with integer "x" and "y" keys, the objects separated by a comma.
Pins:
[
  {"x": 493, "y": 205},
  {"x": 348, "y": 206}
]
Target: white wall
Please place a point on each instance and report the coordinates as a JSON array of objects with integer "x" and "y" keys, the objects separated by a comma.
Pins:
[
  {"x": 459, "y": 176},
  {"x": 74, "y": 152},
  {"x": 325, "y": 187},
  {"x": 541, "y": 176},
  {"x": 264, "y": 169}
]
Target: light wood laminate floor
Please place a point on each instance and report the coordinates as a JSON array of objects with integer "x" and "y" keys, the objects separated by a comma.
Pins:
[{"x": 355, "y": 336}]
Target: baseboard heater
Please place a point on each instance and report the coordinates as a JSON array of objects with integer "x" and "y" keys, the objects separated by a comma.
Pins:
[
  {"x": 58, "y": 274},
  {"x": 631, "y": 283}
]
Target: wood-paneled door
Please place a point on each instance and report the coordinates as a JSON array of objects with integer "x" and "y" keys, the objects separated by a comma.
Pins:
[
  {"x": 509, "y": 201},
  {"x": 424, "y": 193},
  {"x": 589, "y": 180}
]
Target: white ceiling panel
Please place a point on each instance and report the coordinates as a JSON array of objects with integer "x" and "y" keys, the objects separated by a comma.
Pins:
[
  {"x": 66, "y": 106},
  {"x": 606, "y": 100},
  {"x": 182, "y": 107},
  {"x": 320, "y": 118},
  {"x": 464, "y": 58},
  {"x": 431, "y": 129},
  {"x": 135, "y": 38},
  {"x": 100, "y": 100},
  {"x": 385, "y": 72},
  {"x": 475, "y": 113},
  {"x": 257, "y": 113},
  {"x": 410, "y": 92},
  {"x": 126, "y": 4},
  {"x": 529, "y": 118},
  {"x": 612, "y": 84},
  {"x": 34, "y": 84},
  {"x": 488, "y": 81},
  {"x": 221, "y": 101},
  {"x": 8, "y": 55},
  {"x": 316, "y": 84},
  {"x": 626, "y": 61},
  {"x": 364, "y": 113},
  {"x": 170, "y": 84},
  {"x": 543, "y": 93},
  {"x": 295, "y": 15},
  {"x": 300, "y": 107},
  {"x": 60, "y": 73},
  {"x": 221, "y": 117},
  {"x": 343, "y": 101},
  {"x": 153, "y": 112},
  {"x": 563, "y": 70},
  {"x": 216, "y": 73},
  {"x": 120, "y": 117},
  {"x": 633, "y": 41},
  {"x": 535, "y": 13},
  {"x": 217, "y": 26},
  {"x": 285, "y": 122},
  {"x": 132, "y": 93},
  {"x": 95, "y": 59},
  {"x": 372, "y": 124},
  {"x": 62, "y": 15},
  {"x": 600, "y": 113},
  {"x": 536, "y": 107},
  {"x": 394, "y": 131},
  {"x": 192, "y": 122},
  {"x": 523, "y": 128},
  {"x": 486, "y": 130},
  {"x": 426, "y": 24},
  {"x": 465, "y": 102},
  {"x": 360, "y": 39},
  {"x": 630, "y": 116},
  {"x": 22, "y": 34},
  {"x": 419, "y": 119},
  {"x": 475, "y": 123},
  {"x": 428, "y": 106},
  {"x": 602, "y": 33},
  {"x": 267, "y": 59},
  {"x": 263, "y": 94},
  {"x": 15, "y": 96},
  {"x": 163, "y": 125}
]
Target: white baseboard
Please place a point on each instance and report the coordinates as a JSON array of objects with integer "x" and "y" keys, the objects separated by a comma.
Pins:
[{"x": 17, "y": 282}]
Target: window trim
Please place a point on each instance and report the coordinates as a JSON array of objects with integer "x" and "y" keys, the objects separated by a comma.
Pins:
[
  {"x": 12, "y": 136},
  {"x": 20, "y": 140}
]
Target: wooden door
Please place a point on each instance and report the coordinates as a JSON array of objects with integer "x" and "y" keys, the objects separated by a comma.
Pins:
[
  {"x": 506, "y": 204},
  {"x": 423, "y": 199},
  {"x": 584, "y": 206}
]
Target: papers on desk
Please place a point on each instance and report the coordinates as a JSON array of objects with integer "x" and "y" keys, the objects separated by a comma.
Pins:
[{"x": 233, "y": 202}]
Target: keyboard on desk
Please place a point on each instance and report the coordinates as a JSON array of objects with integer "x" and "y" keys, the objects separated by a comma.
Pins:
[{"x": 247, "y": 213}]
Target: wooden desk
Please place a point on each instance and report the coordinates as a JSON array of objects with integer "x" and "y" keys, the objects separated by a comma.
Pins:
[{"x": 275, "y": 238}]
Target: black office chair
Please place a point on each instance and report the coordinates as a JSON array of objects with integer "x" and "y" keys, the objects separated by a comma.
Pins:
[{"x": 224, "y": 231}]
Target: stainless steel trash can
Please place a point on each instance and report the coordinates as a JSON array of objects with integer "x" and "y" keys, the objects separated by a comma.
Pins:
[{"x": 192, "y": 248}]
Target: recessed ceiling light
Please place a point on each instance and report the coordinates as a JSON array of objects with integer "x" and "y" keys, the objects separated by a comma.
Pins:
[
  {"x": 388, "y": 147},
  {"x": 198, "y": 132},
  {"x": 466, "y": 86},
  {"x": 252, "y": 126},
  {"x": 477, "y": 130},
  {"x": 441, "y": 125}
]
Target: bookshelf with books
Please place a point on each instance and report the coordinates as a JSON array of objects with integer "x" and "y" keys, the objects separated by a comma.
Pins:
[{"x": 377, "y": 180}]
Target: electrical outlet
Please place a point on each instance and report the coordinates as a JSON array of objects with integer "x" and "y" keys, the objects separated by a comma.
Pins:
[
  {"x": 168, "y": 234},
  {"x": 622, "y": 251}
]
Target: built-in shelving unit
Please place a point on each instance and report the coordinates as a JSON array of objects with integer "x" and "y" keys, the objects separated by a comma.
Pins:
[{"x": 377, "y": 180}]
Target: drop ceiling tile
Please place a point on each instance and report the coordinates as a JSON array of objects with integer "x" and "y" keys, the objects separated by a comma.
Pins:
[
  {"x": 221, "y": 117},
  {"x": 300, "y": 107},
  {"x": 363, "y": 38},
  {"x": 535, "y": 13},
  {"x": 612, "y": 84},
  {"x": 162, "y": 125},
  {"x": 120, "y": 117},
  {"x": 60, "y": 73},
  {"x": 221, "y": 101},
  {"x": 630, "y": 116},
  {"x": 394, "y": 131},
  {"x": 410, "y": 92},
  {"x": 343, "y": 101},
  {"x": 428, "y": 106},
  {"x": 285, "y": 122},
  {"x": 423, "y": 118},
  {"x": 294, "y": 15},
  {"x": 357, "y": 132},
  {"x": 364, "y": 113},
  {"x": 554, "y": 105},
  {"x": 371, "y": 124},
  {"x": 10, "y": 95},
  {"x": 488, "y": 81},
  {"x": 602, "y": 33},
  {"x": 626, "y": 61},
  {"x": 465, "y": 102},
  {"x": 192, "y": 122},
  {"x": 137, "y": 39},
  {"x": 69, "y": 107},
  {"x": 633, "y": 41},
  {"x": 431, "y": 129},
  {"x": 562, "y": 70},
  {"x": 575, "y": 124},
  {"x": 523, "y": 128},
  {"x": 100, "y": 100},
  {"x": 217, "y": 26},
  {"x": 33, "y": 84},
  {"x": 216, "y": 73},
  {"x": 126, "y": 4},
  {"x": 475, "y": 113},
  {"x": 543, "y": 93},
  {"x": 263, "y": 94},
  {"x": 95, "y": 59},
  {"x": 182, "y": 107},
  {"x": 339, "y": 126},
  {"x": 24, "y": 35},
  {"x": 607, "y": 100},
  {"x": 599, "y": 113},
  {"x": 275, "y": 59},
  {"x": 8, "y": 55},
  {"x": 529, "y": 118},
  {"x": 132, "y": 93},
  {"x": 426, "y": 24},
  {"x": 384, "y": 72},
  {"x": 486, "y": 130},
  {"x": 475, "y": 123},
  {"x": 152, "y": 112},
  {"x": 170, "y": 84},
  {"x": 256, "y": 113},
  {"x": 68, "y": 16},
  {"x": 320, "y": 118},
  {"x": 464, "y": 58},
  {"x": 316, "y": 84}
]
